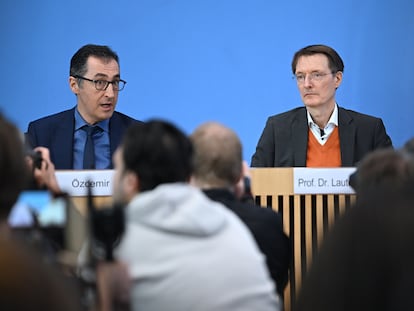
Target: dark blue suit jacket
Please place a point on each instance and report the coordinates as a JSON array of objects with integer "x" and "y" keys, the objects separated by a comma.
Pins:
[
  {"x": 56, "y": 133},
  {"x": 284, "y": 140}
]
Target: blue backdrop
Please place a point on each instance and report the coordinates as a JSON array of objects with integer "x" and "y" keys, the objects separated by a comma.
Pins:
[{"x": 192, "y": 61}]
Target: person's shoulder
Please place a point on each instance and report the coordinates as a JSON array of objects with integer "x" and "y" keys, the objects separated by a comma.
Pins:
[
  {"x": 261, "y": 214},
  {"x": 290, "y": 114},
  {"x": 267, "y": 213},
  {"x": 357, "y": 115},
  {"x": 119, "y": 116},
  {"x": 54, "y": 118}
]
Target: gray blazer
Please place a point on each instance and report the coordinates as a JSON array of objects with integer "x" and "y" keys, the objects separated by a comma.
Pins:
[{"x": 284, "y": 140}]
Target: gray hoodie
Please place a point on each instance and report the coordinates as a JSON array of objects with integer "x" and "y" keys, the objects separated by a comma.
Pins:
[{"x": 186, "y": 252}]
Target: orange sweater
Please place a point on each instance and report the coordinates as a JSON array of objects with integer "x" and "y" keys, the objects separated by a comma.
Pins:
[{"x": 328, "y": 155}]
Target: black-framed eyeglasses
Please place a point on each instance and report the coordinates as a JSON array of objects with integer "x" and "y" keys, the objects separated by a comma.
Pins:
[{"x": 102, "y": 85}]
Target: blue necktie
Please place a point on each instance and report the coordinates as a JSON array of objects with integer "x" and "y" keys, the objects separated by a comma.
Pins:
[{"x": 89, "y": 151}]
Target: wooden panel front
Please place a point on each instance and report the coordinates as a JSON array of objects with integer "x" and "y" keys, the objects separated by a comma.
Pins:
[{"x": 306, "y": 218}]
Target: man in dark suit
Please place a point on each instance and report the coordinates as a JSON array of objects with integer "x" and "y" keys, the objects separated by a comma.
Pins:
[
  {"x": 93, "y": 124},
  {"x": 321, "y": 134},
  {"x": 218, "y": 170}
]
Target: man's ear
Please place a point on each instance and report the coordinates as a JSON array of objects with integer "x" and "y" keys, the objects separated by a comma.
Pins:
[
  {"x": 131, "y": 184},
  {"x": 239, "y": 186},
  {"x": 192, "y": 180},
  {"x": 338, "y": 77},
  {"x": 74, "y": 85}
]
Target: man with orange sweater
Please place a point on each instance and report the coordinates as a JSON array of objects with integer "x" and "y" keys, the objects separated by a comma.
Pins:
[{"x": 321, "y": 134}]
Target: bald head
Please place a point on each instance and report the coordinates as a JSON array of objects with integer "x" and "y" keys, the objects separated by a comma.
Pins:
[{"x": 217, "y": 156}]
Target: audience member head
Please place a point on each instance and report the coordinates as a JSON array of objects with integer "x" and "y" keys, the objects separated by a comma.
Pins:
[
  {"x": 29, "y": 283},
  {"x": 334, "y": 60},
  {"x": 151, "y": 154},
  {"x": 409, "y": 147},
  {"x": 365, "y": 262},
  {"x": 383, "y": 169},
  {"x": 217, "y": 156},
  {"x": 13, "y": 172}
]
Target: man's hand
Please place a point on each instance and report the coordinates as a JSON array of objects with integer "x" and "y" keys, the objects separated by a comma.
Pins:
[
  {"x": 45, "y": 175},
  {"x": 113, "y": 286}
]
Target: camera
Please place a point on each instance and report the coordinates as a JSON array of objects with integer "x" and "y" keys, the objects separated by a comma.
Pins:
[{"x": 36, "y": 157}]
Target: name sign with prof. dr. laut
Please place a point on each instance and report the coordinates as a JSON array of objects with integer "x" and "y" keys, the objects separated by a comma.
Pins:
[
  {"x": 77, "y": 182},
  {"x": 322, "y": 180}
]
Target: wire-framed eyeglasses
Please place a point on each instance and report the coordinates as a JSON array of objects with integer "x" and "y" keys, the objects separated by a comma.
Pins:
[{"x": 313, "y": 76}]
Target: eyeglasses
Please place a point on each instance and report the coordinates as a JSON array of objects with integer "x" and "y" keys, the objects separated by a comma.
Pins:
[
  {"x": 313, "y": 76},
  {"x": 102, "y": 85}
]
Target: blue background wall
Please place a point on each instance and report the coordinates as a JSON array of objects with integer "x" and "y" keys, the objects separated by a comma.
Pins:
[{"x": 192, "y": 61}]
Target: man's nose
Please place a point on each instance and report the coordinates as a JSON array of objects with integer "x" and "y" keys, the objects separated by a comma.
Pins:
[
  {"x": 110, "y": 91},
  {"x": 308, "y": 80}
]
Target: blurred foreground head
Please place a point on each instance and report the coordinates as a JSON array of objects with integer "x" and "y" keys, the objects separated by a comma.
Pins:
[
  {"x": 29, "y": 283},
  {"x": 384, "y": 170},
  {"x": 153, "y": 153},
  {"x": 13, "y": 170},
  {"x": 366, "y": 261}
]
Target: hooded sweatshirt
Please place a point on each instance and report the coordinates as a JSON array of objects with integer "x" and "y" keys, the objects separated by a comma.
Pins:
[{"x": 186, "y": 252}]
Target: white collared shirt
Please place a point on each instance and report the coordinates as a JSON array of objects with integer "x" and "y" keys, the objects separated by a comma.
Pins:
[{"x": 328, "y": 129}]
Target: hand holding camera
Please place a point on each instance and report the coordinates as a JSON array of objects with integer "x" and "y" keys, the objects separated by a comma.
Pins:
[
  {"x": 43, "y": 169},
  {"x": 34, "y": 159}
]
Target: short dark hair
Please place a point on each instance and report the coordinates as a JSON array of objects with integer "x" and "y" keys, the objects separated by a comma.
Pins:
[
  {"x": 13, "y": 169},
  {"x": 384, "y": 169},
  {"x": 335, "y": 61},
  {"x": 78, "y": 63},
  {"x": 57, "y": 291},
  {"x": 158, "y": 152},
  {"x": 366, "y": 259}
]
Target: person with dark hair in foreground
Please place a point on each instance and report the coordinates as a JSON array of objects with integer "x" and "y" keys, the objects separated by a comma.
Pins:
[
  {"x": 27, "y": 282},
  {"x": 366, "y": 261},
  {"x": 18, "y": 170},
  {"x": 388, "y": 168},
  {"x": 14, "y": 174},
  {"x": 86, "y": 136},
  {"x": 181, "y": 250},
  {"x": 29, "y": 279},
  {"x": 218, "y": 169},
  {"x": 321, "y": 134}
]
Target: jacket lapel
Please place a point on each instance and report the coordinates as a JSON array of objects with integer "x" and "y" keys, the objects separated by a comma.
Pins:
[
  {"x": 116, "y": 130},
  {"x": 347, "y": 131},
  {"x": 300, "y": 138},
  {"x": 62, "y": 141}
]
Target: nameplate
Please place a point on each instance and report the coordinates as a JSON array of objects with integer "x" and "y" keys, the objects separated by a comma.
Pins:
[
  {"x": 76, "y": 182},
  {"x": 322, "y": 180}
]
